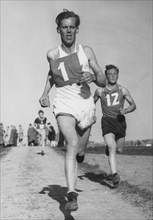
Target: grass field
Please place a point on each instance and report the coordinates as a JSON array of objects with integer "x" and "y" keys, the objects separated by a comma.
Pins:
[{"x": 128, "y": 150}]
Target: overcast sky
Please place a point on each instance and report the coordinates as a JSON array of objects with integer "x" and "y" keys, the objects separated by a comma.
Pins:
[{"x": 119, "y": 32}]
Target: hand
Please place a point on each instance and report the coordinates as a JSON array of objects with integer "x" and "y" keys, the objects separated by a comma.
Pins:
[
  {"x": 123, "y": 111},
  {"x": 44, "y": 101},
  {"x": 87, "y": 78},
  {"x": 121, "y": 116}
]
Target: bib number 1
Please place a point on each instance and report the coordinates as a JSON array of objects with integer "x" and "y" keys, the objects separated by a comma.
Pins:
[{"x": 63, "y": 71}]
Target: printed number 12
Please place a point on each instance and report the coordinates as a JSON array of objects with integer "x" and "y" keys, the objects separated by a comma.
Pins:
[{"x": 115, "y": 100}]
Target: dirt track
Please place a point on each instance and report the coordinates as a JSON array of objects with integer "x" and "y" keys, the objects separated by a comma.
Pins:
[{"x": 33, "y": 188}]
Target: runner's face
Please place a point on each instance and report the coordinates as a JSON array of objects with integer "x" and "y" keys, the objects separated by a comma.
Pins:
[
  {"x": 68, "y": 31},
  {"x": 112, "y": 76},
  {"x": 41, "y": 115}
]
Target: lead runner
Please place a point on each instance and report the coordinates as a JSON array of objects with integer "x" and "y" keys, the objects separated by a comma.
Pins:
[{"x": 70, "y": 70}]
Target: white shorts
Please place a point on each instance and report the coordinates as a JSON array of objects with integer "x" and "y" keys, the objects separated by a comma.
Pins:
[
  {"x": 83, "y": 110},
  {"x": 42, "y": 132}
]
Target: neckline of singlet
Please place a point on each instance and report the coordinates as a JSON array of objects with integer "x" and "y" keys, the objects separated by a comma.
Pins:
[
  {"x": 117, "y": 87},
  {"x": 63, "y": 53},
  {"x": 41, "y": 119}
]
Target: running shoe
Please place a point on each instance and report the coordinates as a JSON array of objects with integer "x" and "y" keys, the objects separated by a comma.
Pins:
[
  {"x": 79, "y": 158},
  {"x": 42, "y": 153},
  {"x": 72, "y": 202},
  {"x": 115, "y": 178}
]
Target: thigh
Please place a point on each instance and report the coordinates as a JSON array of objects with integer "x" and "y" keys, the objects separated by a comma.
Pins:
[
  {"x": 120, "y": 142},
  {"x": 84, "y": 137},
  {"x": 110, "y": 139},
  {"x": 43, "y": 133},
  {"x": 67, "y": 125}
]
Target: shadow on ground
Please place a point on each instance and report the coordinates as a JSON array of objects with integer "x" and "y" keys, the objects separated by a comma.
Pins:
[
  {"x": 40, "y": 153},
  {"x": 98, "y": 178},
  {"x": 135, "y": 195},
  {"x": 58, "y": 193}
]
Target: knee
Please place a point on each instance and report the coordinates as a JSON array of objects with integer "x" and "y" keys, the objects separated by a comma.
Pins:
[
  {"x": 72, "y": 147},
  {"x": 112, "y": 147}
]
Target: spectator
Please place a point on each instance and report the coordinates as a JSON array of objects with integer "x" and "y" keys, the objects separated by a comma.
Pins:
[
  {"x": 13, "y": 136},
  {"x": 7, "y": 135},
  {"x": 51, "y": 135},
  {"x": 20, "y": 135},
  {"x": 32, "y": 134},
  {"x": 2, "y": 135}
]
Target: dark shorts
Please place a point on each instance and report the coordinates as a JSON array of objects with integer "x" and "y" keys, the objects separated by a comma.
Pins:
[{"x": 112, "y": 125}]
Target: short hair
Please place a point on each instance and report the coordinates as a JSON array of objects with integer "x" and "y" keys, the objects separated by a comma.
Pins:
[
  {"x": 67, "y": 14},
  {"x": 41, "y": 111},
  {"x": 109, "y": 67}
]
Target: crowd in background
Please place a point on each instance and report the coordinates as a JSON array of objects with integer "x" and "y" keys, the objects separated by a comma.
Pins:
[
  {"x": 13, "y": 136},
  {"x": 9, "y": 136},
  {"x": 34, "y": 137}
]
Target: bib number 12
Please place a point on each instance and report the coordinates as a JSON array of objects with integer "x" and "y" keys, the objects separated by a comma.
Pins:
[{"x": 115, "y": 100}]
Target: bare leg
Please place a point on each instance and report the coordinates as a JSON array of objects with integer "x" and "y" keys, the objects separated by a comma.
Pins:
[
  {"x": 67, "y": 126},
  {"x": 83, "y": 140},
  {"x": 42, "y": 140},
  {"x": 120, "y": 144},
  {"x": 110, "y": 141},
  {"x": 43, "y": 143}
]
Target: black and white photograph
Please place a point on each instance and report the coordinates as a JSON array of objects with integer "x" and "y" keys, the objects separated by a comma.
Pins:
[{"x": 76, "y": 138}]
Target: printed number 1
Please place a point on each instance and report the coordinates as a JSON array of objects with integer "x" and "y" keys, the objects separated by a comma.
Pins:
[{"x": 63, "y": 71}]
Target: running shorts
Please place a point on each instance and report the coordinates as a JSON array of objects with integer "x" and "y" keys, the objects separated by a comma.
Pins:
[
  {"x": 112, "y": 125},
  {"x": 83, "y": 110},
  {"x": 42, "y": 132}
]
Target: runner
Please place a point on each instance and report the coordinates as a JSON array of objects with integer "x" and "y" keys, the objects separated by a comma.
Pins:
[
  {"x": 112, "y": 99},
  {"x": 41, "y": 125},
  {"x": 71, "y": 66}
]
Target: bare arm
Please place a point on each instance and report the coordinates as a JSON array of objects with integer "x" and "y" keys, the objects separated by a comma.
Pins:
[
  {"x": 129, "y": 99},
  {"x": 49, "y": 84},
  {"x": 99, "y": 77},
  {"x": 44, "y": 100},
  {"x": 96, "y": 95}
]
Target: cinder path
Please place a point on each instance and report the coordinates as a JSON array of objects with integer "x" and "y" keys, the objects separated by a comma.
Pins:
[{"x": 33, "y": 188}]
